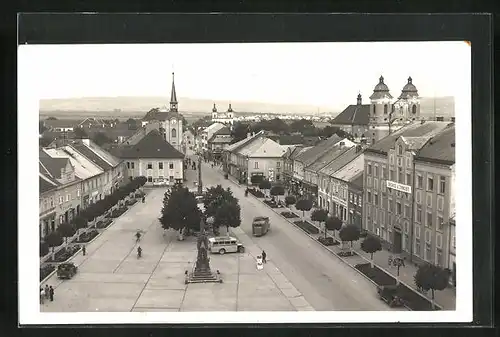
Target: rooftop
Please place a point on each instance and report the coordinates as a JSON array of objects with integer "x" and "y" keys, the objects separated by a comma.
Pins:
[
  {"x": 84, "y": 168},
  {"x": 340, "y": 161},
  {"x": 46, "y": 184},
  {"x": 354, "y": 114},
  {"x": 53, "y": 165},
  {"x": 441, "y": 147},
  {"x": 425, "y": 129},
  {"x": 330, "y": 155},
  {"x": 352, "y": 169},
  {"x": 60, "y": 123},
  {"x": 151, "y": 146},
  {"x": 358, "y": 181},
  {"x": 157, "y": 114},
  {"x": 312, "y": 154},
  {"x": 91, "y": 155},
  {"x": 266, "y": 149}
]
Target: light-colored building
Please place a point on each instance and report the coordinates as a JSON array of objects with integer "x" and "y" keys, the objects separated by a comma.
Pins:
[
  {"x": 170, "y": 121},
  {"x": 226, "y": 118},
  {"x": 220, "y": 141},
  {"x": 188, "y": 141},
  {"x": 60, "y": 125},
  {"x": 407, "y": 190},
  {"x": 154, "y": 158},
  {"x": 207, "y": 133}
]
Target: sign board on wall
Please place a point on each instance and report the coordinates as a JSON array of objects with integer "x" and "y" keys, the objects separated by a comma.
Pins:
[
  {"x": 398, "y": 187},
  {"x": 271, "y": 174}
]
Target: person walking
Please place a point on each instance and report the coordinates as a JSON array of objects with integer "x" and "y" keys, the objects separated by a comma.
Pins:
[
  {"x": 264, "y": 257},
  {"x": 51, "y": 294},
  {"x": 46, "y": 291},
  {"x": 84, "y": 250},
  {"x": 42, "y": 295}
]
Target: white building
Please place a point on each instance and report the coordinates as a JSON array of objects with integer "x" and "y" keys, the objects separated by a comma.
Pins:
[{"x": 226, "y": 118}]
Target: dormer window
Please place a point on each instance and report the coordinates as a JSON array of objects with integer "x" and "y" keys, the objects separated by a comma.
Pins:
[{"x": 400, "y": 150}]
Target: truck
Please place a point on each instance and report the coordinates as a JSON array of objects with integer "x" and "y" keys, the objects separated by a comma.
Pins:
[{"x": 260, "y": 225}]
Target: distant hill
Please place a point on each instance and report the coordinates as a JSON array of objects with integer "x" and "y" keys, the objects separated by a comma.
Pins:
[{"x": 136, "y": 107}]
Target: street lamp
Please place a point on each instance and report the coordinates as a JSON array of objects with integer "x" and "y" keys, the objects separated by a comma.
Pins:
[{"x": 398, "y": 262}]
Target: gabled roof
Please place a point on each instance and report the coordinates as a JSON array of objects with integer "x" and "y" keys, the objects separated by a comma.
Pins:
[
  {"x": 426, "y": 129},
  {"x": 92, "y": 120},
  {"x": 157, "y": 114},
  {"x": 212, "y": 128},
  {"x": 151, "y": 146},
  {"x": 352, "y": 169},
  {"x": 330, "y": 155},
  {"x": 223, "y": 131},
  {"x": 264, "y": 148},
  {"x": 220, "y": 139},
  {"x": 60, "y": 123},
  {"x": 91, "y": 155},
  {"x": 84, "y": 168},
  {"x": 309, "y": 156},
  {"x": 240, "y": 144},
  {"x": 355, "y": 114},
  {"x": 298, "y": 151},
  {"x": 440, "y": 148},
  {"x": 340, "y": 162},
  {"x": 46, "y": 184}
]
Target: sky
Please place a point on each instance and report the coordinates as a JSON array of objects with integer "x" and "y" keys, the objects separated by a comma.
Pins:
[{"x": 319, "y": 74}]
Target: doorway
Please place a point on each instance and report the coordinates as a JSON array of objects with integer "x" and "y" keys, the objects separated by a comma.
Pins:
[{"x": 397, "y": 244}]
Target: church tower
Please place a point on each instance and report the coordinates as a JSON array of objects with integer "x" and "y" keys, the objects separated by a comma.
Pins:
[
  {"x": 214, "y": 112},
  {"x": 407, "y": 107},
  {"x": 380, "y": 112},
  {"x": 173, "y": 97}
]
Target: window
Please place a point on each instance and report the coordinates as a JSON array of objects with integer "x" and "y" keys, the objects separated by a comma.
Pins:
[
  {"x": 453, "y": 242},
  {"x": 174, "y": 133},
  {"x": 171, "y": 166},
  {"x": 417, "y": 247},
  {"x": 368, "y": 181},
  {"x": 442, "y": 185},
  {"x": 150, "y": 166},
  {"x": 389, "y": 205},
  {"x": 374, "y": 112},
  {"x": 132, "y": 165},
  {"x": 440, "y": 223},
  {"x": 420, "y": 181},
  {"x": 428, "y": 200},
  {"x": 439, "y": 240},
  {"x": 400, "y": 150},
  {"x": 407, "y": 227},
  {"x": 375, "y": 199},
  {"x": 439, "y": 257},
  {"x": 384, "y": 173},
  {"x": 414, "y": 109},
  {"x": 398, "y": 208},
  {"x": 408, "y": 162},
  {"x": 375, "y": 183},
  {"x": 61, "y": 199},
  {"x": 385, "y": 109},
  {"x": 391, "y": 175},
  {"x": 428, "y": 236},
  {"x": 68, "y": 196},
  {"x": 419, "y": 214},
  {"x": 150, "y": 179},
  {"x": 391, "y": 159},
  {"x": 368, "y": 197},
  {"x": 256, "y": 165},
  {"x": 375, "y": 171},
  {"x": 407, "y": 211},
  {"x": 417, "y": 197},
  {"x": 369, "y": 169},
  {"x": 417, "y": 231},
  {"x": 171, "y": 178},
  {"x": 440, "y": 203},
  {"x": 360, "y": 201},
  {"x": 430, "y": 184},
  {"x": 406, "y": 242},
  {"x": 160, "y": 165},
  {"x": 400, "y": 176},
  {"x": 128, "y": 164},
  {"x": 429, "y": 219},
  {"x": 278, "y": 164},
  {"x": 408, "y": 179},
  {"x": 77, "y": 193},
  {"x": 427, "y": 251}
]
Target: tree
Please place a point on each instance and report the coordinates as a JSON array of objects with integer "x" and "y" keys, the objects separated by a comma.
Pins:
[
  {"x": 228, "y": 214},
  {"x": 54, "y": 239},
  {"x": 304, "y": 205},
  {"x": 240, "y": 131},
  {"x": 256, "y": 179},
  {"x": 66, "y": 230},
  {"x": 277, "y": 190},
  {"x": 290, "y": 200},
  {"x": 265, "y": 184},
  {"x": 45, "y": 140},
  {"x": 44, "y": 248},
  {"x": 371, "y": 244},
  {"x": 100, "y": 138},
  {"x": 180, "y": 209},
  {"x": 319, "y": 215},
  {"x": 333, "y": 223},
  {"x": 349, "y": 233},
  {"x": 431, "y": 277},
  {"x": 214, "y": 197},
  {"x": 80, "y": 133},
  {"x": 328, "y": 131},
  {"x": 300, "y": 125}
]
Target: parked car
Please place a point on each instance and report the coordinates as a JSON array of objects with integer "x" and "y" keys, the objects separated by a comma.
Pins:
[
  {"x": 388, "y": 294},
  {"x": 66, "y": 270}
]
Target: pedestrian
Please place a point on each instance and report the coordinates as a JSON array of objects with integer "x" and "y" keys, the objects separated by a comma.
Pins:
[
  {"x": 84, "y": 250},
  {"x": 46, "y": 291},
  {"x": 42, "y": 295},
  {"x": 264, "y": 257},
  {"x": 143, "y": 199},
  {"x": 51, "y": 294}
]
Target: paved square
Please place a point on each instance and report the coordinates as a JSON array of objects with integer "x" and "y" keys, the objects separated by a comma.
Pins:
[{"x": 112, "y": 279}]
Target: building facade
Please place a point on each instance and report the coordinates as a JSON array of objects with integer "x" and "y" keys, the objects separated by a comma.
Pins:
[
  {"x": 355, "y": 204},
  {"x": 402, "y": 200},
  {"x": 226, "y": 118}
]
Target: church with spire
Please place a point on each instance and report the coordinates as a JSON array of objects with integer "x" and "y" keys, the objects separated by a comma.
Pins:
[
  {"x": 167, "y": 120},
  {"x": 384, "y": 115},
  {"x": 226, "y": 118}
]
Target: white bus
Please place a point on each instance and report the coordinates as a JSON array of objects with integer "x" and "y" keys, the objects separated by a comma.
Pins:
[{"x": 225, "y": 244}]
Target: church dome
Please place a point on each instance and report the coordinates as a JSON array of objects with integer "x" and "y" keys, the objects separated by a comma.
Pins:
[
  {"x": 381, "y": 90},
  {"x": 409, "y": 90},
  {"x": 381, "y": 86}
]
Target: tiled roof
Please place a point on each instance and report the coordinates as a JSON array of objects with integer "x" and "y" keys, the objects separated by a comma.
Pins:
[
  {"x": 309, "y": 156},
  {"x": 214, "y": 128},
  {"x": 151, "y": 146},
  {"x": 340, "y": 162},
  {"x": 91, "y": 155},
  {"x": 352, "y": 169},
  {"x": 46, "y": 184},
  {"x": 311, "y": 140},
  {"x": 441, "y": 147},
  {"x": 238, "y": 145},
  {"x": 298, "y": 151},
  {"x": 103, "y": 154},
  {"x": 354, "y": 115},
  {"x": 330, "y": 155},
  {"x": 223, "y": 131},
  {"x": 426, "y": 129},
  {"x": 54, "y": 165},
  {"x": 84, "y": 168},
  {"x": 268, "y": 149},
  {"x": 220, "y": 139}
]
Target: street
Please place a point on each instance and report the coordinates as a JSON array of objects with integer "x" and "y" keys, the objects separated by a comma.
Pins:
[{"x": 324, "y": 280}]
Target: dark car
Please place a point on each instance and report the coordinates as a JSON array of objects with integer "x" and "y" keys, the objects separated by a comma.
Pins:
[
  {"x": 66, "y": 270},
  {"x": 389, "y": 294}
]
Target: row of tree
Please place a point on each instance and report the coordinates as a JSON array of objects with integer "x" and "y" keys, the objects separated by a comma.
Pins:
[
  {"x": 180, "y": 209},
  {"x": 93, "y": 211}
]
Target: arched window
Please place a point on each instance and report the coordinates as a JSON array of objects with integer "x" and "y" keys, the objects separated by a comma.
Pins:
[
  {"x": 374, "y": 109},
  {"x": 385, "y": 109},
  {"x": 400, "y": 150},
  {"x": 174, "y": 133},
  {"x": 414, "y": 109},
  {"x": 392, "y": 108}
]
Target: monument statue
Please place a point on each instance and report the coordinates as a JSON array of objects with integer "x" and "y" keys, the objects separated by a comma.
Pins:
[{"x": 202, "y": 261}]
